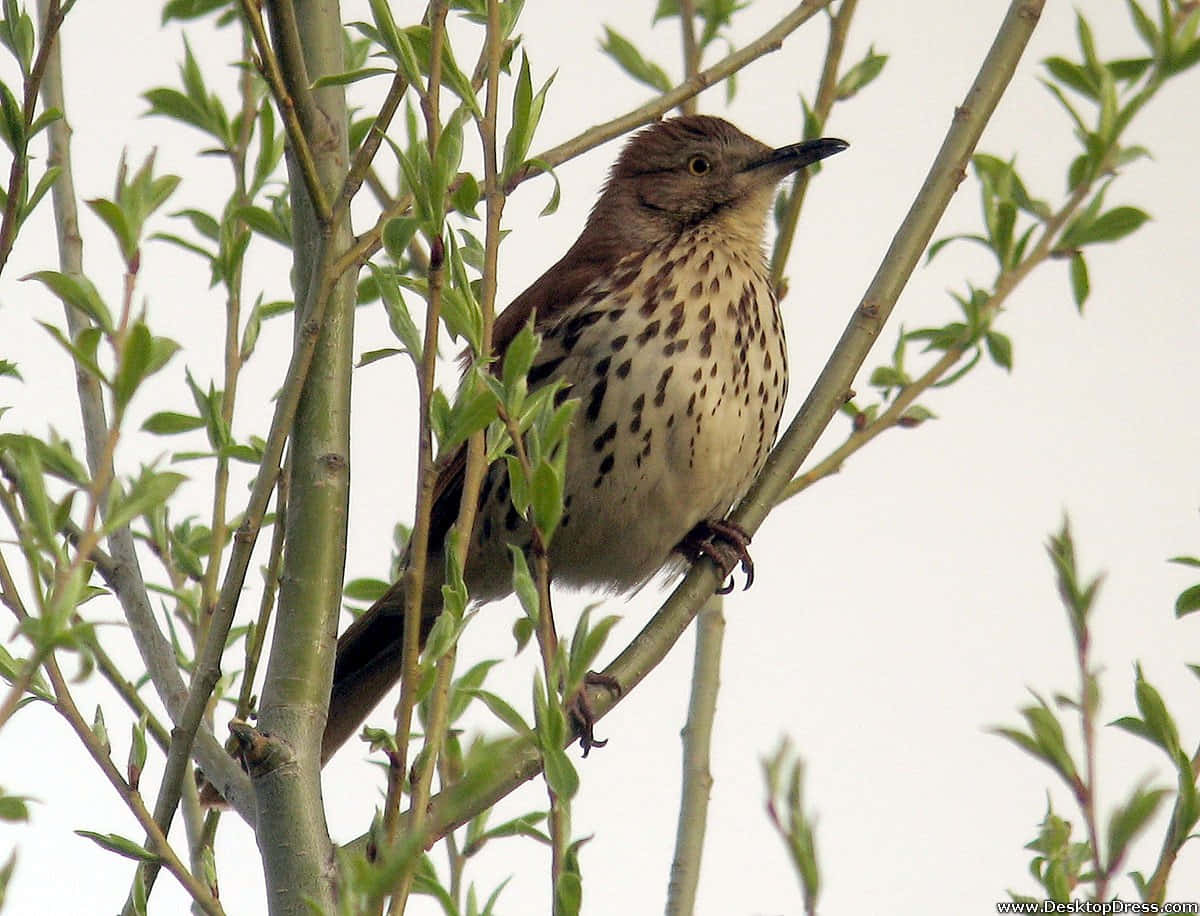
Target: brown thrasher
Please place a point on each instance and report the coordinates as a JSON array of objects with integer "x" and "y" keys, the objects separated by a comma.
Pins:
[{"x": 661, "y": 319}]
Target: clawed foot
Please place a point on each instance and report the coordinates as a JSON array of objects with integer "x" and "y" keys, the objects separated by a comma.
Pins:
[
  {"x": 579, "y": 711},
  {"x": 724, "y": 542}
]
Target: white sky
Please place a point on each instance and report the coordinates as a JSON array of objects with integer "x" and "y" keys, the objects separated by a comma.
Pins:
[{"x": 900, "y": 609}]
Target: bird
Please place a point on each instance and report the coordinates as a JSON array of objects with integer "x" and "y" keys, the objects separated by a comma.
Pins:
[{"x": 662, "y": 320}]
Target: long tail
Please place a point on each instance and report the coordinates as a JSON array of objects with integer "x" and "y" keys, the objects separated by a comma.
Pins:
[{"x": 368, "y": 665}]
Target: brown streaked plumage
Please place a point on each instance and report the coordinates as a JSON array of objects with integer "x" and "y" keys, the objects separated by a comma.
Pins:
[{"x": 662, "y": 321}]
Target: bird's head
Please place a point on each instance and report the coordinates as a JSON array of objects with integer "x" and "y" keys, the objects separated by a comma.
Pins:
[{"x": 684, "y": 171}]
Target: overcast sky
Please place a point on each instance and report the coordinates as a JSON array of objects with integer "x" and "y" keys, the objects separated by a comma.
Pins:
[{"x": 900, "y": 609}]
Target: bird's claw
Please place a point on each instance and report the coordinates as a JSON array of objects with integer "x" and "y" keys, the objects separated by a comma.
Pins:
[
  {"x": 727, "y": 544},
  {"x": 579, "y": 710}
]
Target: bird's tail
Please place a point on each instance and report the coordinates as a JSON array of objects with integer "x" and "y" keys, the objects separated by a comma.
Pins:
[{"x": 369, "y": 663}]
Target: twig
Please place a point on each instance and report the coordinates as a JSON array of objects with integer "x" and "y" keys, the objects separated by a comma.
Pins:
[
  {"x": 839, "y": 26},
  {"x": 157, "y": 842},
  {"x": 52, "y": 18},
  {"x": 697, "y": 777},
  {"x": 124, "y": 577},
  {"x": 1006, "y": 284},
  {"x": 361, "y": 166},
  {"x": 414, "y": 575},
  {"x": 294, "y": 105},
  {"x": 691, "y": 54}
]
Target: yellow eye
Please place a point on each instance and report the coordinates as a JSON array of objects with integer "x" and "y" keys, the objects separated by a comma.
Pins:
[{"x": 699, "y": 165}]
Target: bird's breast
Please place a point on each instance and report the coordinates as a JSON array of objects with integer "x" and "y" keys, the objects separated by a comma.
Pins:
[{"x": 679, "y": 362}]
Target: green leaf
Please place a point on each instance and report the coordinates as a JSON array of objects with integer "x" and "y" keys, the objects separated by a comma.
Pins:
[
  {"x": 135, "y": 363},
  {"x": 1188, "y": 601},
  {"x": 999, "y": 349},
  {"x": 365, "y": 589},
  {"x": 1134, "y": 726},
  {"x": 12, "y": 121},
  {"x": 1072, "y": 75},
  {"x": 150, "y": 489},
  {"x": 83, "y": 352},
  {"x": 526, "y": 114},
  {"x": 860, "y": 74},
  {"x": 547, "y": 496},
  {"x": 399, "y": 318},
  {"x": 1130, "y": 819},
  {"x": 523, "y": 583},
  {"x": 449, "y": 152},
  {"x": 350, "y": 76},
  {"x": 622, "y": 50},
  {"x": 501, "y": 709},
  {"x": 1115, "y": 224},
  {"x": 568, "y": 894},
  {"x": 120, "y": 845},
  {"x": 114, "y": 217},
  {"x": 561, "y": 775},
  {"x": 137, "y": 752},
  {"x": 1158, "y": 721},
  {"x": 1080, "y": 285},
  {"x": 1145, "y": 26},
  {"x": 466, "y": 196},
  {"x": 518, "y": 358},
  {"x": 77, "y": 292},
  {"x": 168, "y": 423},
  {"x": 397, "y": 234},
  {"x": 374, "y": 356},
  {"x": 471, "y": 412}
]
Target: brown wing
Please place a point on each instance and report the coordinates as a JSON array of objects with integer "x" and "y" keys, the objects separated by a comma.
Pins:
[{"x": 369, "y": 652}]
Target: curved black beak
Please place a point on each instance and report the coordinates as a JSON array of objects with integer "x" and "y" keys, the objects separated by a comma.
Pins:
[{"x": 796, "y": 156}]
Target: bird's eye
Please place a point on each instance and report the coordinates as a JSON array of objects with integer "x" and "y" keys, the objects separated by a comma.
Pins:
[{"x": 699, "y": 165}]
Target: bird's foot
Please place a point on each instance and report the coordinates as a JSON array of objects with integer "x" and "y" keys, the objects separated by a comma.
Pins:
[
  {"x": 724, "y": 542},
  {"x": 579, "y": 710}
]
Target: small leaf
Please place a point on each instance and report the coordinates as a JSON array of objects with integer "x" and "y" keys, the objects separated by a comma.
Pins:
[
  {"x": 622, "y": 50},
  {"x": 561, "y": 774},
  {"x": 365, "y": 589},
  {"x": 77, "y": 292},
  {"x": 1080, "y": 285},
  {"x": 547, "y": 499},
  {"x": 999, "y": 349},
  {"x": 1188, "y": 601},
  {"x": 135, "y": 363},
  {"x": 168, "y": 423},
  {"x": 501, "y": 709},
  {"x": 150, "y": 489},
  {"x": 120, "y": 845},
  {"x": 397, "y": 234},
  {"x": 1131, "y": 819},
  {"x": 860, "y": 74}
]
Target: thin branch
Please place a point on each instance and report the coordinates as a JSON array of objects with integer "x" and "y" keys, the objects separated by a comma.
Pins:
[
  {"x": 52, "y": 18},
  {"x": 125, "y": 576},
  {"x": 290, "y": 103},
  {"x": 839, "y": 26},
  {"x": 414, "y": 575},
  {"x": 157, "y": 842},
  {"x": 691, "y": 54},
  {"x": 1006, "y": 284},
  {"x": 697, "y": 776},
  {"x": 361, "y": 165}
]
